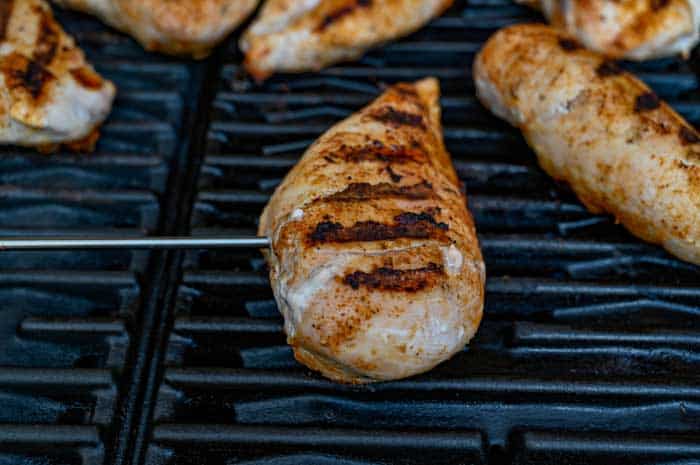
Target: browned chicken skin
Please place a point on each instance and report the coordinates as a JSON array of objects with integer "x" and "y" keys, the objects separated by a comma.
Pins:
[
  {"x": 375, "y": 263},
  {"x": 622, "y": 150}
]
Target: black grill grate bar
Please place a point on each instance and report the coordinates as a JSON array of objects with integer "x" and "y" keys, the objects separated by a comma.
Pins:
[
  {"x": 493, "y": 384},
  {"x": 55, "y": 435},
  {"x": 49, "y": 378},
  {"x": 316, "y": 437},
  {"x": 632, "y": 445},
  {"x": 226, "y": 325},
  {"x": 97, "y": 327},
  {"x": 534, "y": 334},
  {"x": 70, "y": 278}
]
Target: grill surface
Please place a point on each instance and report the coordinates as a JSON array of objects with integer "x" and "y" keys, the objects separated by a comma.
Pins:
[{"x": 588, "y": 351}]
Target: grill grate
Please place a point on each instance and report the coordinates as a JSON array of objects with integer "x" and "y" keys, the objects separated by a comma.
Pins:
[{"x": 588, "y": 352}]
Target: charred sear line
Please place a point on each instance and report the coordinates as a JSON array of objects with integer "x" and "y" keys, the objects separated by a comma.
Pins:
[
  {"x": 688, "y": 136},
  {"x": 646, "y": 102},
  {"x": 390, "y": 279},
  {"x": 569, "y": 45},
  {"x": 362, "y": 191},
  {"x": 5, "y": 13},
  {"x": 657, "y": 5},
  {"x": 397, "y": 118},
  {"x": 608, "y": 68},
  {"x": 406, "y": 90},
  {"x": 407, "y": 225},
  {"x": 395, "y": 177},
  {"x": 334, "y": 16},
  {"x": 377, "y": 151},
  {"x": 46, "y": 41},
  {"x": 24, "y": 74}
]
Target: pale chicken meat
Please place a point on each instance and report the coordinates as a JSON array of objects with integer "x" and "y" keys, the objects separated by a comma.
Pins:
[
  {"x": 600, "y": 129},
  {"x": 177, "y": 27},
  {"x": 375, "y": 263},
  {"x": 630, "y": 29},
  {"x": 307, "y": 35},
  {"x": 49, "y": 94}
]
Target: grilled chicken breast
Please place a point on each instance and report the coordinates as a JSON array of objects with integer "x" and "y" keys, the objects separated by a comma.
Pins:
[
  {"x": 622, "y": 150},
  {"x": 374, "y": 261},
  {"x": 49, "y": 94},
  {"x": 307, "y": 35},
  {"x": 631, "y": 29},
  {"x": 178, "y": 27}
]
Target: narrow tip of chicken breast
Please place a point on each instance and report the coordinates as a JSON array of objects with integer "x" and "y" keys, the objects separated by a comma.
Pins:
[
  {"x": 308, "y": 35},
  {"x": 375, "y": 263},
  {"x": 176, "y": 27},
  {"x": 49, "y": 94}
]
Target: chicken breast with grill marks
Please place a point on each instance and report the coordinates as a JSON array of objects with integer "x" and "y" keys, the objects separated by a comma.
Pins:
[
  {"x": 177, "y": 27},
  {"x": 49, "y": 94},
  {"x": 622, "y": 150},
  {"x": 307, "y": 35},
  {"x": 631, "y": 29},
  {"x": 375, "y": 263}
]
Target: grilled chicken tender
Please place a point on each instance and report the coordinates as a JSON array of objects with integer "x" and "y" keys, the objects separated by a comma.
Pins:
[
  {"x": 622, "y": 150},
  {"x": 631, "y": 29},
  {"x": 307, "y": 35},
  {"x": 49, "y": 94},
  {"x": 177, "y": 27},
  {"x": 375, "y": 263}
]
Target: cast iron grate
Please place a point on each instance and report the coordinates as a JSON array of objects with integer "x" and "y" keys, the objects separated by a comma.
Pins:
[
  {"x": 67, "y": 322},
  {"x": 589, "y": 346}
]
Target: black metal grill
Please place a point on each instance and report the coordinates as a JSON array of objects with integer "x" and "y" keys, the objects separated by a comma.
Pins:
[{"x": 588, "y": 352}]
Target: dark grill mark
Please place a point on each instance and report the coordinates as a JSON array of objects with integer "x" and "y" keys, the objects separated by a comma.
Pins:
[
  {"x": 341, "y": 12},
  {"x": 568, "y": 45},
  {"x": 408, "y": 218},
  {"x": 407, "y": 225},
  {"x": 377, "y": 151},
  {"x": 46, "y": 41},
  {"x": 398, "y": 118},
  {"x": 646, "y": 102},
  {"x": 608, "y": 68},
  {"x": 389, "y": 279},
  {"x": 364, "y": 191},
  {"x": 5, "y": 13},
  {"x": 395, "y": 177},
  {"x": 688, "y": 136},
  {"x": 657, "y": 5},
  {"x": 23, "y": 74}
]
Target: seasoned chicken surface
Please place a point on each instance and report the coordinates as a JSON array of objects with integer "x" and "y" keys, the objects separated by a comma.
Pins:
[
  {"x": 622, "y": 150},
  {"x": 374, "y": 262},
  {"x": 178, "y": 27},
  {"x": 307, "y": 35},
  {"x": 49, "y": 94},
  {"x": 631, "y": 29}
]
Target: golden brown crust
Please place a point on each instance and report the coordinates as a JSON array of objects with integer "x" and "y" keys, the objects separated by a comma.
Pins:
[{"x": 622, "y": 149}]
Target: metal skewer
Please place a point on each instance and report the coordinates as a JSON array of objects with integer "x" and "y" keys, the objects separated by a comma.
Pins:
[{"x": 72, "y": 243}]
